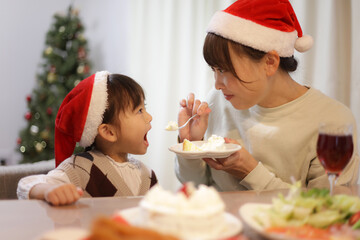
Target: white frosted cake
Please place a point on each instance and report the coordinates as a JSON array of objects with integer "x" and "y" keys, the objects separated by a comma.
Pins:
[
  {"x": 188, "y": 214},
  {"x": 214, "y": 143}
]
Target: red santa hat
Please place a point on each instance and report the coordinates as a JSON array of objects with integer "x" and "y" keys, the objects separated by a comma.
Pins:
[
  {"x": 80, "y": 115},
  {"x": 264, "y": 25}
]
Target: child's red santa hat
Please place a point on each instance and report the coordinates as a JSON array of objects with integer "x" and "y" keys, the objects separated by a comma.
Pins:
[
  {"x": 264, "y": 25},
  {"x": 80, "y": 115}
]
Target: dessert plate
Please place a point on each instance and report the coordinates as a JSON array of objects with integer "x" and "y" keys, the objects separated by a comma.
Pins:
[
  {"x": 133, "y": 216},
  {"x": 68, "y": 233},
  {"x": 230, "y": 148}
]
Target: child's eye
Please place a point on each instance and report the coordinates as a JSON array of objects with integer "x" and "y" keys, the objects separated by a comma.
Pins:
[{"x": 141, "y": 110}]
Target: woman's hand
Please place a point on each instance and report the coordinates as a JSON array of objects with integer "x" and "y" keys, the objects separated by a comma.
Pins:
[
  {"x": 238, "y": 164},
  {"x": 195, "y": 130}
]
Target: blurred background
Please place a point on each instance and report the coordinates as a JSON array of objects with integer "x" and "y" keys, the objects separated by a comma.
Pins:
[{"x": 159, "y": 44}]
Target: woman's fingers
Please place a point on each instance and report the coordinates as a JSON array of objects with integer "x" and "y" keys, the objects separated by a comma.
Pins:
[
  {"x": 230, "y": 140},
  {"x": 190, "y": 101},
  {"x": 213, "y": 163}
]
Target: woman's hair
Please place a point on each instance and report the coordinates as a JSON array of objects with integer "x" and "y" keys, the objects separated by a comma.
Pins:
[
  {"x": 123, "y": 93},
  {"x": 216, "y": 54}
]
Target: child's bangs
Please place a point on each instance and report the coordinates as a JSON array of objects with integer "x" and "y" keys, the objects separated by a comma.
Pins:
[
  {"x": 123, "y": 94},
  {"x": 216, "y": 52},
  {"x": 136, "y": 95}
]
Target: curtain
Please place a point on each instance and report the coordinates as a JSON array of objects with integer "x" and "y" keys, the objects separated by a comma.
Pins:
[{"x": 165, "y": 56}]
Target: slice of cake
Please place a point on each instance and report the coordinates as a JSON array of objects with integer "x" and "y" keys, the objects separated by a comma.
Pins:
[
  {"x": 214, "y": 143},
  {"x": 189, "y": 146},
  {"x": 188, "y": 214}
]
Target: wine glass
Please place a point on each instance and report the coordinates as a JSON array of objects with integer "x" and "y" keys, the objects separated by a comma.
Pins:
[{"x": 334, "y": 148}]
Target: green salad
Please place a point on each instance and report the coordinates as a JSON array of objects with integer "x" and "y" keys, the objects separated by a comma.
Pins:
[{"x": 315, "y": 207}]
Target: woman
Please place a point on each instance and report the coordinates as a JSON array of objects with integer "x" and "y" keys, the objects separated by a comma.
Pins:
[{"x": 258, "y": 105}]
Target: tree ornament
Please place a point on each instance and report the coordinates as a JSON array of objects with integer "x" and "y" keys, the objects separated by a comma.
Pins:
[
  {"x": 81, "y": 53},
  {"x": 18, "y": 140},
  {"x": 75, "y": 12},
  {"x": 38, "y": 147},
  {"x": 22, "y": 149},
  {"x": 52, "y": 69},
  {"x": 34, "y": 130},
  {"x": 28, "y": 116},
  {"x": 37, "y": 116},
  {"x": 45, "y": 134},
  {"x": 48, "y": 50},
  {"x": 80, "y": 69},
  {"x": 77, "y": 82},
  {"x": 51, "y": 77},
  {"x": 28, "y": 98},
  {"x": 49, "y": 111},
  {"x": 62, "y": 29},
  {"x": 86, "y": 69}
]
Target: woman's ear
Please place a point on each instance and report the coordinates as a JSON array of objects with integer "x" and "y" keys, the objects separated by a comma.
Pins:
[
  {"x": 107, "y": 132},
  {"x": 272, "y": 61}
]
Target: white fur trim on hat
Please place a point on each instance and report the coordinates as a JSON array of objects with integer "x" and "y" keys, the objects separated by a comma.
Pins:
[
  {"x": 97, "y": 107},
  {"x": 304, "y": 43},
  {"x": 252, "y": 34}
]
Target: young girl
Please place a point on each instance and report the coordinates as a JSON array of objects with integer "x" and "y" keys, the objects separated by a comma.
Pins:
[
  {"x": 106, "y": 114},
  {"x": 250, "y": 47}
]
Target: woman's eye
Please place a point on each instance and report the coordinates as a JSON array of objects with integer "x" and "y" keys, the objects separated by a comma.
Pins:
[{"x": 216, "y": 69}]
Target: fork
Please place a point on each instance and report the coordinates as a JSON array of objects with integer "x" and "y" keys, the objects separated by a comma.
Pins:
[
  {"x": 187, "y": 122},
  {"x": 171, "y": 126}
]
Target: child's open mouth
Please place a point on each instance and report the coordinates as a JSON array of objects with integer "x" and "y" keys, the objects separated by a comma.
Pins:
[{"x": 146, "y": 141}]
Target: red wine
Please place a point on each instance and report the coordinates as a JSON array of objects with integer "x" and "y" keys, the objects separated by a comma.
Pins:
[{"x": 334, "y": 151}]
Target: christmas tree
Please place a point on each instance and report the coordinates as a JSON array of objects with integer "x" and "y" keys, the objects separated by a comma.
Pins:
[{"x": 64, "y": 65}]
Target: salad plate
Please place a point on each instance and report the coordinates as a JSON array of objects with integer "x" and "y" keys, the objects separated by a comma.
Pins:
[
  {"x": 234, "y": 225},
  {"x": 230, "y": 148},
  {"x": 310, "y": 214},
  {"x": 248, "y": 213}
]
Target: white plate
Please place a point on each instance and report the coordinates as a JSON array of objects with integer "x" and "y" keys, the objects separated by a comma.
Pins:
[
  {"x": 249, "y": 210},
  {"x": 230, "y": 148},
  {"x": 132, "y": 215},
  {"x": 68, "y": 233}
]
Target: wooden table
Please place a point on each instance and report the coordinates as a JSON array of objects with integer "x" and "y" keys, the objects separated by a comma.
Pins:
[{"x": 28, "y": 219}]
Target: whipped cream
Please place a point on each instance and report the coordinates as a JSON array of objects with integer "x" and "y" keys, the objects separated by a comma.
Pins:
[
  {"x": 203, "y": 200},
  {"x": 172, "y": 126},
  {"x": 214, "y": 143}
]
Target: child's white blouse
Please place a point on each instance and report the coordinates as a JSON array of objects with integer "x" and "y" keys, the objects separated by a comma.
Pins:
[{"x": 130, "y": 171}]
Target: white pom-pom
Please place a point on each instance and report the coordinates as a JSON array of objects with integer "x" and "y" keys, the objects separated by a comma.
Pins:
[{"x": 304, "y": 43}]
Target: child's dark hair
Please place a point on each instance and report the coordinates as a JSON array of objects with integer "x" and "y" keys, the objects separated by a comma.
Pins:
[
  {"x": 216, "y": 54},
  {"x": 123, "y": 93}
]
